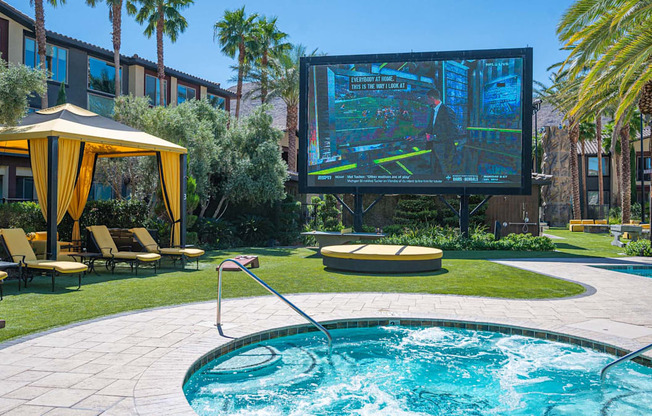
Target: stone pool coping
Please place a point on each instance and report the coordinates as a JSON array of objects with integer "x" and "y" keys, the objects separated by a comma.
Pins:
[{"x": 136, "y": 363}]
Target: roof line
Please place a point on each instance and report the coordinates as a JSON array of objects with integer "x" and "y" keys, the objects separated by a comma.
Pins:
[{"x": 28, "y": 22}]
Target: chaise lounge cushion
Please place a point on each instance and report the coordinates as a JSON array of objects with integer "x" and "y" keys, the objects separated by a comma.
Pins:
[
  {"x": 62, "y": 267},
  {"x": 146, "y": 240},
  {"x": 109, "y": 250}
]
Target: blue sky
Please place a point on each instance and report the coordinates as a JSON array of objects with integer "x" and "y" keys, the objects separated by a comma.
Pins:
[{"x": 336, "y": 27}]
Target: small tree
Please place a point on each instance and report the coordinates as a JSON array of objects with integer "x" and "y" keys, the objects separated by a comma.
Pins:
[
  {"x": 61, "y": 97},
  {"x": 17, "y": 83}
]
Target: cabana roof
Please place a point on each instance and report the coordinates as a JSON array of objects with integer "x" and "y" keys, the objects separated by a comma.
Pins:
[{"x": 104, "y": 136}]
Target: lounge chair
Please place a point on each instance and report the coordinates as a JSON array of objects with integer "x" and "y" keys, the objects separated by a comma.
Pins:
[
  {"x": 145, "y": 239},
  {"x": 17, "y": 246},
  {"x": 3, "y": 276},
  {"x": 105, "y": 244}
]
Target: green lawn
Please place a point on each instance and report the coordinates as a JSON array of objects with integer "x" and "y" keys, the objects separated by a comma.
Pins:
[{"x": 287, "y": 270}]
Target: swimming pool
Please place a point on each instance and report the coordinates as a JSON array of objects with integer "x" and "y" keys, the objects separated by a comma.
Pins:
[
  {"x": 645, "y": 271},
  {"x": 395, "y": 370}
]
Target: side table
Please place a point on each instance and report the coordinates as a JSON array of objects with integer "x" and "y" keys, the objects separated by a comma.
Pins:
[{"x": 86, "y": 258}]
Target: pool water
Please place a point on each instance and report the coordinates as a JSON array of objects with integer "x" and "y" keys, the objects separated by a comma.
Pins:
[
  {"x": 645, "y": 271},
  {"x": 417, "y": 371}
]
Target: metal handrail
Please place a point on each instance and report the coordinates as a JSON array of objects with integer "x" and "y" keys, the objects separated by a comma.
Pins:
[
  {"x": 627, "y": 357},
  {"x": 272, "y": 291}
]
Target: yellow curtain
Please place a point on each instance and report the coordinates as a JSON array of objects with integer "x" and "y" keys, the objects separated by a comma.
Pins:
[
  {"x": 80, "y": 195},
  {"x": 169, "y": 166},
  {"x": 38, "y": 153},
  {"x": 67, "y": 172}
]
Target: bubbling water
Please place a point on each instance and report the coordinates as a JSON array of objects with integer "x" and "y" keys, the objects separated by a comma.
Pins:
[{"x": 418, "y": 371}]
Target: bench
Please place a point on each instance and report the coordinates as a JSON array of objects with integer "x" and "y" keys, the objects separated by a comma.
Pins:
[
  {"x": 333, "y": 238},
  {"x": 381, "y": 258},
  {"x": 618, "y": 230}
]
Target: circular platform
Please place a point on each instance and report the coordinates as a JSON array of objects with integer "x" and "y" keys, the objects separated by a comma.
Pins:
[{"x": 381, "y": 258}]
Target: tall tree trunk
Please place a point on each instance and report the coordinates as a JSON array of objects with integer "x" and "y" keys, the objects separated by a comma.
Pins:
[
  {"x": 160, "y": 26},
  {"x": 241, "y": 57},
  {"x": 598, "y": 138},
  {"x": 573, "y": 135},
  {"x": 583, "y": 181},
  {"x": 291, "y": 126},
  {"x": 263, "y": 77},
  {"x": 39, "y": 29},
  {"x": 626, "y": 191},
  {"x": 116, "y": 18}
]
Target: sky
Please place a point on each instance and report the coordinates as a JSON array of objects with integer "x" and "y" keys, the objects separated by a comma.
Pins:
[{"x": 336, "y": 27}]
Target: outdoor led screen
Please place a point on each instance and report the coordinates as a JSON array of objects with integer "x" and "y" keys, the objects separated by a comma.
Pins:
[{"x": 437, "y": 123}]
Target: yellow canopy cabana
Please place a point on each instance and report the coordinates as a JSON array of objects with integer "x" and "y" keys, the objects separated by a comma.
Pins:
[{"x": 63, "y": 144}]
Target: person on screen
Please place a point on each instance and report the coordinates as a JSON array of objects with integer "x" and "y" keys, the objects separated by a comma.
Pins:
[{"x": 441, "y": 133}]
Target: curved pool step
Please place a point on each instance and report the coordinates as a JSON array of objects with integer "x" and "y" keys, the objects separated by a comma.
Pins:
[{"x": 255, "y": 359}]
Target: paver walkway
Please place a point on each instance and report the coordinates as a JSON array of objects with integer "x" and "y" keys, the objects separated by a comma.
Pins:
[{"x": 135, "y": 363}]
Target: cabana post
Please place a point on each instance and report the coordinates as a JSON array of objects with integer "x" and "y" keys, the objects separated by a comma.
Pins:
[{"x": 51, "y": 246}]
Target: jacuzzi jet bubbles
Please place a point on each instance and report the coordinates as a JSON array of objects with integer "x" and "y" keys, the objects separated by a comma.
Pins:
[{"x": 417, "y": 371}]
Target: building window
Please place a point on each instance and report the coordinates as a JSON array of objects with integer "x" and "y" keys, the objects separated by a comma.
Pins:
[
  {"x": 592, "y": 197},
  {"x": 25, "y": 188},
  {"x": 101, "y": 105},
  {"x": 216, "y": 101},
  {"x": 101, "y": 76},
  {"x": 56, "y": 59},
  {"x": 593, "y": 166},
  {"x": 185, "y": 93},
  {"x": 647, "y": 168},
  {"x": 153, "y": 90}
]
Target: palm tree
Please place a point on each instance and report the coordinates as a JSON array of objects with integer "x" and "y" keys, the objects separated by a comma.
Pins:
[
  {"x": 235, "y": 34},
  {"x": 39, "y": 31},
  {"x": 598, "y": 138},
  {"x": 586, "y": 133},
  {"x": 162, "y": 17},
  {"x": 115, "y": 16},
  {"x": 615, "y": 34},
  {"x": 269, "y": 42}
]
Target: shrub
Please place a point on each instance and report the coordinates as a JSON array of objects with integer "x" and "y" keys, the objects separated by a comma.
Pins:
[
  {"x": 216, "y": 233},
  {"x": 25, "y": 215},
  {"x": 639, "y": 248},
  {"x": 450, "y": 239}
]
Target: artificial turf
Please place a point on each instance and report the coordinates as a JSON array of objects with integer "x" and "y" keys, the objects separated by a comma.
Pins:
[{"x": 297, "y": 270}]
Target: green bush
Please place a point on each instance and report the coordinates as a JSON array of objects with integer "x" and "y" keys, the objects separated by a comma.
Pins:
[
  {"x": 450, "y": 239},
  {"x": 25, "y": 215},
  {"x": 639, "y": 248},
  {"x": 216, "y": 233}
]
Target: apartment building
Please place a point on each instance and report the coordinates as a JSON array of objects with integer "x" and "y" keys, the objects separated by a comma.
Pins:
[{"x": 89, "y": 76}]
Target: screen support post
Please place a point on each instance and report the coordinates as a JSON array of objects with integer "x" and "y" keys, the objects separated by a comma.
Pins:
[
  {"x": 463, "y": 213},
  {"x": 358, "y": 210}
]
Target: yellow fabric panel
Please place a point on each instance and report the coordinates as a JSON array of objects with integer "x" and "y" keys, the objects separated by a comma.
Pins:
[
  {"x": 103, "y": 239},
  {"x": 17, "y": 244},
  {"x": 39, "y": 159},
  {"x": 601, "y": 221},
  {"x": 80, "y": 194},
  {"x": 170, "y": 170},
  {"x": 145, "y": 239},
  {"x": 575, "y": 222},
  {"x": 3, "y": 275},
  {"x": 188, "y": 252},
  {"x": 68, "y": 162},
  {"x": 59, "y": 266},
  {"x": 381, "y": 252},
  {"x": 587, "y": 222},
  {"x": 576, "y": 228}
]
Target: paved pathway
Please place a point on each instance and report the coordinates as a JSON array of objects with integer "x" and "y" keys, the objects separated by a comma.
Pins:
[{"x": 135, "y": 363}]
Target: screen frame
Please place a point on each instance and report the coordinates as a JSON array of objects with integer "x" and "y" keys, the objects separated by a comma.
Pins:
[{"x": 526, "y": 114}]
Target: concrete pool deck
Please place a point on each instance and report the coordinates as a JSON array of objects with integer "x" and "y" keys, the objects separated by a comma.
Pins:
[{"x": 135, "y": 363}]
